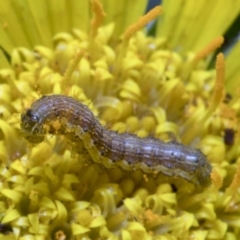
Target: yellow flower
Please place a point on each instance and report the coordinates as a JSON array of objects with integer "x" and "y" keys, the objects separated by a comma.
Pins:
[{"x": 161, "y": 86}]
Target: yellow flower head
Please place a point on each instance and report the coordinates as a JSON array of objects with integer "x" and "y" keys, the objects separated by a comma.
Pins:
[{"x": 160, "y": 86}]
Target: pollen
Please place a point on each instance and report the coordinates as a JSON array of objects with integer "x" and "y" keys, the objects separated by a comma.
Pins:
[{"x": 216, "y": 179}]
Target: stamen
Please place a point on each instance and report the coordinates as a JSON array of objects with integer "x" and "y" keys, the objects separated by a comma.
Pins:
[
  {"x": 131, "y": 30},
  {"x": 218, "y": 93},
  {"x": 210, "y": 48},
  {"x": 143, "y": 21},
  {"x": 99, "y": 15},
  {"x": 235, "y": 183},
  {"x": 71, "y": 67}
]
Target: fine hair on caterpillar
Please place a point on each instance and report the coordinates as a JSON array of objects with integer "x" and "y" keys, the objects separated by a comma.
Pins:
[{"x": 127, "y": 151}]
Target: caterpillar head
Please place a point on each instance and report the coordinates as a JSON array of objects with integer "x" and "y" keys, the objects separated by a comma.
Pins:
[{"x": 32, "y": 130}]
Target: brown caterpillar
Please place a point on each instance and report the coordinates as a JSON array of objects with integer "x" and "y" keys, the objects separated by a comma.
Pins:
[{"x": 58, "y": 114}]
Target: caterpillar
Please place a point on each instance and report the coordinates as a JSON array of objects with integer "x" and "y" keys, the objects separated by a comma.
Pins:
[{"x": 59, "y": 114}]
